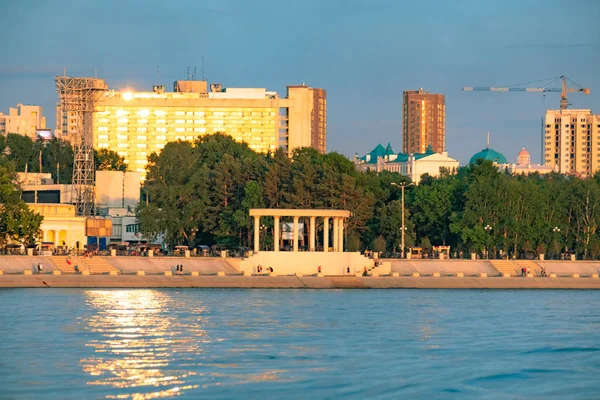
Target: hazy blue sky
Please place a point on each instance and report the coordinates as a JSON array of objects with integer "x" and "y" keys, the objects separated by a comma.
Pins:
[{"x": 365, "y": 53}]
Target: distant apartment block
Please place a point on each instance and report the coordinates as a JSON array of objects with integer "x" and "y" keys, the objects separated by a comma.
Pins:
[
  {"x": 24, "y": 120},
  {"x": 136, "y": 124},
  {"x": 423, "y": 122},
  {"x": 571, "y": 141}
]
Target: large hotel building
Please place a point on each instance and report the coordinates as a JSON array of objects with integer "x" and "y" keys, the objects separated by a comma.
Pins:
[
  {"x": 571, "y": 141},
  {"x": 136, "y": 124},
  {"x": 423, "y": 122}
]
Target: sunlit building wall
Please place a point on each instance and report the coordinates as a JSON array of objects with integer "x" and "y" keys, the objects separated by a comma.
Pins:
[
  {"x": 571, "y": 141},
  {"x": 136, "y": 124},
  {"x": 24, "y": 120},
  {"x": 423, "y": 121}
]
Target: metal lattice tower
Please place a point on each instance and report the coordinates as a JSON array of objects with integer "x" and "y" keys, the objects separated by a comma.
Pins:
[{"x": 77, "y": 97}]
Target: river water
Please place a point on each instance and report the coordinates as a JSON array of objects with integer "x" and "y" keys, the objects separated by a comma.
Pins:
[{"x": 318, "y": 344}]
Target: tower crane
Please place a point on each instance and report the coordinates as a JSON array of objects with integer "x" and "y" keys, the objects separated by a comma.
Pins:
[{"x": 564, "y": 103}]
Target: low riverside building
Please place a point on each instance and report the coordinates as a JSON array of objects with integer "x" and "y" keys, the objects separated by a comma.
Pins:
[
  {"x": 61, "y": 227},
  {"x": 411, "y": 165}
]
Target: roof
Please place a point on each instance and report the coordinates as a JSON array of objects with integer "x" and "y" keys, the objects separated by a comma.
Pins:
[
  {"x": 382, "y": 152},
  {"x": 378, "y": 151},
  {"x": 427, "y": 153},
  {"x": 489, "y": 154},
  {"x": 388, "y": 150}
]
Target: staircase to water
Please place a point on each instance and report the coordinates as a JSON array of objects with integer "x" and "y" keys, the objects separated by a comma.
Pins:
[
  {"x": 97, "y": 265},
  {"x": 505, "y": 267}
]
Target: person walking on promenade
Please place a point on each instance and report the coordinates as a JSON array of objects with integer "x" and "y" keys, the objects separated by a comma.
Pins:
[
  {"x": 319, "y": 269},
  {"x": 40, "y": 267},
  {"x": 180, "y": 269}
]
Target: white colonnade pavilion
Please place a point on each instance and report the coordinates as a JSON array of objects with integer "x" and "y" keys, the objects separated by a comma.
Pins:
[{"x": 337, "y": 216}]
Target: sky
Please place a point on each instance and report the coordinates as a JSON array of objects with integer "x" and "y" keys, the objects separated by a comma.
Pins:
[{"x": 364, "y": 53}]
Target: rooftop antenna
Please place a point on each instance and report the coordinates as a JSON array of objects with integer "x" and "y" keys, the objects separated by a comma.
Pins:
[
  {"x": 158, "y": 73},
  {"x": 203, "y": 78},
  {"x": 64, "y": 72},
  {"x": 488, "y": 140},
  {"x": 96, "y": 73}
]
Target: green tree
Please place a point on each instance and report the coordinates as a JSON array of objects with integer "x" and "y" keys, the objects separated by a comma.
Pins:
[
  {"x": 18, "y": 223},
  {"x": 108, "y": 160}
]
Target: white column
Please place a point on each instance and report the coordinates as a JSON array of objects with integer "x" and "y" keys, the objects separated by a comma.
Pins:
[
  {"x": 295, "y": 234},
  {"x": 325, "y": 234},
  {"x": 256, "y": 233},
  {"x": 313, "y": 221},
  {"x": 276, "y": 234},
  {"x": 341, "y": 234},
  {"x": 336, "y": 233}
]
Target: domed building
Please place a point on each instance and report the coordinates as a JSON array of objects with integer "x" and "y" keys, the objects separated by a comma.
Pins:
[
  {"x": 524, "y": 158},
  {"x": 489, "y": 154},
  {"x": 524, "y": 165}
]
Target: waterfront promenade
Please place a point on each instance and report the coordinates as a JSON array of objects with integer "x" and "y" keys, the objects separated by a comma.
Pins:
[{"x": 199, "y": 272}]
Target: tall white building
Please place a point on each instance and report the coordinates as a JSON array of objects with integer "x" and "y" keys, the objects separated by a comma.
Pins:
[{"x": 571, "y": 141}]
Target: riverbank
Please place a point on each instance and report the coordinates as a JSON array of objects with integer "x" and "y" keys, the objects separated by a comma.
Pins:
[{"x": 292, "y": 282}]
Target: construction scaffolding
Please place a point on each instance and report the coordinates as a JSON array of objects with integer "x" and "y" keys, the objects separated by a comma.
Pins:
[{"x": 77, "y": 97}]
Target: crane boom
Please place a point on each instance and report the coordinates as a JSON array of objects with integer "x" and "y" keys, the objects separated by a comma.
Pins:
[
  {"x": 563, "y": 90},
  {"x": 508, "y": 89}
]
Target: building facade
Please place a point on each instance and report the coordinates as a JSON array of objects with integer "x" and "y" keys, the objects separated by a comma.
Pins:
[
  {"x": 411, "y": 165},
  {"x": 136, "y": 124},
  {"x": 24, "y": 120},
  {"x": 423, "y": 122},
  {"x": 571, "y": 141}
]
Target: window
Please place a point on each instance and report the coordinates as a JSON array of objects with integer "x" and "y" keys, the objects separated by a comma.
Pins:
[{"x": 132, "y": 228}]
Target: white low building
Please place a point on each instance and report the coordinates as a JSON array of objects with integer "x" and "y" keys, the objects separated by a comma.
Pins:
[{"x": 411, "y": 165}]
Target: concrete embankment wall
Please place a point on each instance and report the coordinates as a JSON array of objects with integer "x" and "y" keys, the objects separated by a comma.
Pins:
[
  {"x": 443, "y": 267},
  {"x": 162, "y": 264},
  {"x": 16, "y": 264},
  {"x": 567, "y": 268},
  {"x": 477, "y": 267},
  {"x": 289, "y": 282}
]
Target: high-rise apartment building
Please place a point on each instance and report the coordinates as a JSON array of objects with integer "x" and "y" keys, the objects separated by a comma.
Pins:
[
  {"x": 136, "y": 124},
  {"x": 571, "y": 141},
  {"x": 423, "y": 122},
  {"x": 24, "y": 120}
]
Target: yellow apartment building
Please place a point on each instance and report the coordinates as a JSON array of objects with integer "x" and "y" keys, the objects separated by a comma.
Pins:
[
  {"x": 571, "y": 141},
  {"x": 136, "y": 124}
]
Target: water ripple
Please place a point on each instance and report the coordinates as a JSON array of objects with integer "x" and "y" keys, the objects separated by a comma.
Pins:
[{"x": 223, "y": 344}]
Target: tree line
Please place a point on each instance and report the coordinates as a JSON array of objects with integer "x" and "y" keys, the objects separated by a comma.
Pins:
[
  {"x": 57, "y": 156},
  {"x": 200, "y": 192}
]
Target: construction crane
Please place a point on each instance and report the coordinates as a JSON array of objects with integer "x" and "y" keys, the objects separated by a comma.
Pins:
[{"x": 564, "y": 103}]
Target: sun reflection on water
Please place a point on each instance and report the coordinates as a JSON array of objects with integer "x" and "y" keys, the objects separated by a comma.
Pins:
[{"x": 142, "y": 342}]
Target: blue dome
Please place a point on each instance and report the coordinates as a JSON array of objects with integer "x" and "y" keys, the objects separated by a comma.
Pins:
[{"x": 489, "y": 154}]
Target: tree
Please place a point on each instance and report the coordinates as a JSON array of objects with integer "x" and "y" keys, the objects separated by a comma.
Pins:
[
  {"x": 18, "y": 223},
  {"x": 253, "y": 198},
  {"x": 108, "y": 160}
]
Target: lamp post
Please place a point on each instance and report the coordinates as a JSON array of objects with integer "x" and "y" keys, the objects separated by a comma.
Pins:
[
  {"x": 402, "y": 185},
  {"x": 488, "y": 230},
  {"x": 556, "y": 231}
]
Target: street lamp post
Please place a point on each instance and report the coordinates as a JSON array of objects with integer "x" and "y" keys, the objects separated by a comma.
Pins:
[
  {"x": 402, "y": 185},
  {"x": 488, "y": 230},
  {"x": 556, "y": 231}
]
